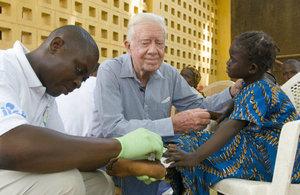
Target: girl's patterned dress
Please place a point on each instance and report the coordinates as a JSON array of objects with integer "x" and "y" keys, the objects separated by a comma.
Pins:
[{"x": 251, "y": 153}]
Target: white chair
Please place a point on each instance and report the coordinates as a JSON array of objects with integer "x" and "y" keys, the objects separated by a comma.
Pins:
[
  {"x": 217, "y": 87},
  {"x": 292, "y": 90},
  {"x": 281, "y": 182}
]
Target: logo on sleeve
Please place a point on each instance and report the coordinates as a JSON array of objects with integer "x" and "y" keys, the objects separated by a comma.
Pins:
[{"x": 10, "y": 109}]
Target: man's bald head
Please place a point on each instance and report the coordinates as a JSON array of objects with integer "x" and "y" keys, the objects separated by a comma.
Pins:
[
  {"x": 66, "y": 58},
  {"x": 69, "y": 33}
]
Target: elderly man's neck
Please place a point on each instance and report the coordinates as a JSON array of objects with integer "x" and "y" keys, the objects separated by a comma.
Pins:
[{"x": 143, "y": 77}]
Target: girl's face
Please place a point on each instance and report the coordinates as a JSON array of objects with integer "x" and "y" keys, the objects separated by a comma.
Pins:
[{"x": 238, "y": 63}]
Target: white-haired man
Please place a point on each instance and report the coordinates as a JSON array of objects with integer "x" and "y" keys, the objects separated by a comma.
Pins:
[{"x": 137, "y": 89}]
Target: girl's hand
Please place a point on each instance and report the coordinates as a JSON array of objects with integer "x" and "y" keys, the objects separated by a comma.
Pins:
[{"x": 180, "y": 158}]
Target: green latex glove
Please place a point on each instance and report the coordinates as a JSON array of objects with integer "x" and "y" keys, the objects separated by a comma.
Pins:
[
  {"x": 138, "y": 144},
  {"x": 147, "y": 180}
]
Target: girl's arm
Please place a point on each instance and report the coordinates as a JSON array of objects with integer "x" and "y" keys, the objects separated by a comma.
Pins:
[
  {"x": 223, "y": 134},
  {"x": 227, "y": 110}
]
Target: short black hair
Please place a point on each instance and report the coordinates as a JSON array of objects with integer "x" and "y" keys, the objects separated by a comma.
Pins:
[
  {"x": 195, "y": 72},
  {"x": 260, "y": 48},
  {"x": 75, "y": 36}
]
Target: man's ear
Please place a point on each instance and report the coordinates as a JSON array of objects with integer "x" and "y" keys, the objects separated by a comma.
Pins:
[
  {"x": 56, "y": 44},
  {"x": 127, "y": 46},
  {"x": 253, "y": 68}
]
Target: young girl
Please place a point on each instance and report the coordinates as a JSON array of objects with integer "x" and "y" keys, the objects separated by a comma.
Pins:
[{"x": 244, "y": 146}]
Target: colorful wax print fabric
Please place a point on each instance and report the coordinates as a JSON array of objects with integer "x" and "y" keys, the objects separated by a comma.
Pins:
[{"x": 251, "y": 153}]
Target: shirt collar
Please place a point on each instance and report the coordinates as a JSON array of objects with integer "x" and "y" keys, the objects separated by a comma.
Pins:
[
  {"x": 128, "y": 71},
  {"x": 127, "y": 67},
  {"x": 31, "y": 77}
]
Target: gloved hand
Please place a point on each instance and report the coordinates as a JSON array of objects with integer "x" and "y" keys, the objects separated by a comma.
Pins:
[
  {"x": 147, "y": 180},
  {"x": 138, "y": 144}
]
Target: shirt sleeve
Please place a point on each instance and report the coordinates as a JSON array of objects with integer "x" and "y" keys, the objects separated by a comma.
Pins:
[
  {"x": 185, "y": 97},
  {"x": 251, "y": 105},
  {"x": 217, "y": 101},
  {"x": 11, "y": 114}
]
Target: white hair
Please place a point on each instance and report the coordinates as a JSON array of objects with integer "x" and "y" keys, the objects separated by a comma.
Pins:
[{"x": 144, "y": 17}]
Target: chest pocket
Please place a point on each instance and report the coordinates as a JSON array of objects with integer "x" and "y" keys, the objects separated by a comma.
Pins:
[{"x": 163, "y": 108}]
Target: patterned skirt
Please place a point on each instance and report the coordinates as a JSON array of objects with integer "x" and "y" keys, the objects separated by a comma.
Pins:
[{"x": 246, "y": 156}]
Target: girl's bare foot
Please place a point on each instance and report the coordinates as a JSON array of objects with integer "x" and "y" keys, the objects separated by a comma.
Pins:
[{"x": 125, "y": 167}]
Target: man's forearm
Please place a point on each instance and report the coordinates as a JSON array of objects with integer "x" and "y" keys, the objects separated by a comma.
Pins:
[
  {"x": 41, "y": 150},
  {"x": 216, "y": 102},
  {"x": 162, "y": 127}
]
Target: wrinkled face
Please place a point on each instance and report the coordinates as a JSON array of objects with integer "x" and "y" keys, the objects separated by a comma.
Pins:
[
  {"x": 67, "y": 70},
  {"x": 147, "y": 47},
  {"x": 238, "y": 63},
  {"x": 289, "y": 70},
  {"x": 189, "y": 76}
]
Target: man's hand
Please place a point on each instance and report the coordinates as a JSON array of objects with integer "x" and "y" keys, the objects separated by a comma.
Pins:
[
  {"x": 194, "y": 119},
  {"x": 138, "y": 144},
  {"x": 234, "y": 89}
]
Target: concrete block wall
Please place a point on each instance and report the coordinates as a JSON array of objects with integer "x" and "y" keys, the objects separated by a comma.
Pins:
[
  {"x": 31, "y": 21},
  {"x": 192, "y": 26},
  {"x": 192, "y": 35}
]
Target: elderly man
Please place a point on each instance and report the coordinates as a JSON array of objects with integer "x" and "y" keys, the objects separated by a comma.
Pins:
[
  {"x": 36, "y": 159},
  {"x": 137, "y": 89}
]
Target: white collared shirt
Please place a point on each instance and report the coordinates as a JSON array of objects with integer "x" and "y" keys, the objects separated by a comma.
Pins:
[{"x": 23, "y": 98}]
